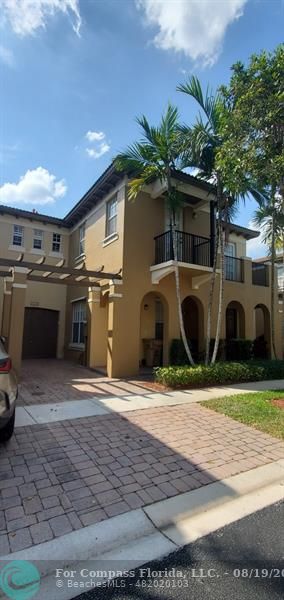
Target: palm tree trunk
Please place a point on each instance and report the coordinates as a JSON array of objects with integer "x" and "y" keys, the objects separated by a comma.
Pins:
[
  {"x": 273, "y": 352},
  {"x": 210, "y": 302},
  {"x": 222, "y": 271},
  {"x": 178, "y": 295},
  {"x": 176, "y": 269}
]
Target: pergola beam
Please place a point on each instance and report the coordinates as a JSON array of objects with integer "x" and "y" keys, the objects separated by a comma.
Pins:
[
  {"x": 7, "y": 262},
  {"x": 57, "y": 280}
]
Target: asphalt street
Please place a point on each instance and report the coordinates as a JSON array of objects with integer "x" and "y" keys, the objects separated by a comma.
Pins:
[{"x": 243, "y": 561}]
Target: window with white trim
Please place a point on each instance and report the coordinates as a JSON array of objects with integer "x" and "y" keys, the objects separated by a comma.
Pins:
[
  {"x": 18, "y": 235},
  {"x": 79, "y": 318},
  {"x": 56, "y": 242},
  {"x": 82, "y": 234},
  {"x": 111, "y": 216},
  {"x": 38, "y": 239}
]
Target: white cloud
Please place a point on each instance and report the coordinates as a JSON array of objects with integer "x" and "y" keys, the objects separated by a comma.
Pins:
[
  {"x": 194, "y": 27},
  {"x": 37, "y": 186},
  {"x": 26, "y": 16},
  {"x": 94, "y": 136},
  {"x": 255, "y": 247},
  {"x": 6, "y": 56},
  {"x": 99, "y": 144}
]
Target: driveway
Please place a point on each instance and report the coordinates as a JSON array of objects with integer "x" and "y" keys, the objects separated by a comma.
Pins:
[
  {"x": 48, "y": 381},
  {"x": 60, "y": 477}
]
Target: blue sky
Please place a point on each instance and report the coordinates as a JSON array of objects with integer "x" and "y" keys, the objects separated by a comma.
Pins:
[{"x": 75, "y": 73}]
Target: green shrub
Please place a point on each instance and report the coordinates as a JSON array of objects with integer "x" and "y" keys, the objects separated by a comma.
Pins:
[
  {"x": 219, "y": 374},
  {"x": 239, "y": 349}
]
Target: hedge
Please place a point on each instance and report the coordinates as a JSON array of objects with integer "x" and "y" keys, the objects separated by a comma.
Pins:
[
  {"x": 234, "y": 349},
  {"x": 219, "y": 374}
]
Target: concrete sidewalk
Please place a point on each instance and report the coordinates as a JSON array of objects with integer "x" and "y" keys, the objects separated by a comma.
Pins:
[{"x": 96, "y": 406}]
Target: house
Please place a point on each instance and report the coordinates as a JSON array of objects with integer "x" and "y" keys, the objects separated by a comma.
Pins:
[{"x": 98, "y": 285}]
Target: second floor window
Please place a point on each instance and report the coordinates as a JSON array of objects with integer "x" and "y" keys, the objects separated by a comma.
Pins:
[
  {"x": 18, "y": 235},
  {"x": 79, "y": 318},
  {"x": 82, "y": 232},
  {"x": 38, "y": 239},
  {"x": 56, "y": 242},
  {"x": 111, "y": 216}
]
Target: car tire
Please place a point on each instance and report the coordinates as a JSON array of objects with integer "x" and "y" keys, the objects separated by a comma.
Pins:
[{"x": 7, "y": 431}]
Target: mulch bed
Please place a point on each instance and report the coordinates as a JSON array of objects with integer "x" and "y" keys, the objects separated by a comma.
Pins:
[{"x": 279, "y": 402}]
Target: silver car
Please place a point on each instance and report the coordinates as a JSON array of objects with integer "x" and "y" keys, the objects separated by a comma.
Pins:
[{"x": 8, "y": 395}]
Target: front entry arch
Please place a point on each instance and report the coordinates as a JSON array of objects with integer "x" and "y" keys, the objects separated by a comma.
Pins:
[
  {"x": 193, "y": 315},
  {"x": 153, "y": 330},
  {"x": 235, "y": 321},
  {"x": 262, "y": 331}
]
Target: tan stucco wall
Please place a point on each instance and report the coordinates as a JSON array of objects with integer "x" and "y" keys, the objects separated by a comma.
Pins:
[
  {"x": 144, "y": 219},
  {"x": 41, "y": 295},
  {"x": 6, "y": 238}
]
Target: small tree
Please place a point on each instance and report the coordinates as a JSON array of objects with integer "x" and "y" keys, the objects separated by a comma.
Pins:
[
  {"x": 155, "y": 156},
  {"x": 254, "y": 134},
  {"x": 270, "y": 218}
]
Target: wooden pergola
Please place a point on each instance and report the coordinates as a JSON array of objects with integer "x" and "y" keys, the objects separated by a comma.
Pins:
[{"x": 43, "y": 272}]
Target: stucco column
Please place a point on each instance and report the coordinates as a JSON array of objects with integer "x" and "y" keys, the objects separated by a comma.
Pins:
[
  {"x": 123, "y": 335},
  {"x": 247, "y": 270},
  {"x": 17, "y": 316},
  {"x": 6, "y": 306},
  {"x": 97, "y": 329}
]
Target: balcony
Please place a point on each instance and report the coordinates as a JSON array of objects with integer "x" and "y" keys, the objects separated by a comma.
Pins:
[
  {"x": 234, "y": 269},
  {"x": 260, "y": 274},
  {"x": 191, "y": 249}
]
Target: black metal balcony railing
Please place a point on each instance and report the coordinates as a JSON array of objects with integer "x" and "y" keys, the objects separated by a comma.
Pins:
[
  {"x": 260, "y": 274},
  {"x": 234, "y": 269},
  {"x": 193, "y": 249}
]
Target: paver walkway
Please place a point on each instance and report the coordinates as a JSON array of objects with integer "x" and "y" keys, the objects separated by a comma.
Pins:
[
  {"x": 47, "y": 381},
  {"x": 60, "y": 477}
]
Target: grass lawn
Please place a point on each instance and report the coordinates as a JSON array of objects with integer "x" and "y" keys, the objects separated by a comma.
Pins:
[{"x": 253, "y": 409}]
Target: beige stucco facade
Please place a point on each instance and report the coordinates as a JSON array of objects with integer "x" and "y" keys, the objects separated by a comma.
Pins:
[{"x": 137, "y": 304}]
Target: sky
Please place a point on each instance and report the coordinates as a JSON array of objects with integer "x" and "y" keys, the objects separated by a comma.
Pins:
[{"x": 74, "y": 75}]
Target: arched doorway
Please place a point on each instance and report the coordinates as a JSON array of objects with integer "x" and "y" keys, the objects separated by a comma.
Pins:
[
  {"x": 153, "y": 330},
  {"x": 235, "y": 321},
  {"x": 193, "y": 315},
  {"x": 261, "y": 344}
]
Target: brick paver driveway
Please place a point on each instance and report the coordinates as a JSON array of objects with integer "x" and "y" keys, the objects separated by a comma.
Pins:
[
  {"x": 47, "y": 381},
  {"x": 60, "y": 477}
]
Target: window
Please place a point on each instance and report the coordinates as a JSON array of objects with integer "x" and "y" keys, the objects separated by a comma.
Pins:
[
  {"x": 78, "y": 322},
  {"x": 56, "y": 242},
  {"x": 38, "y": 238},
  {"x": 82, "y": 232},
  {"x": 111, "y": 216},
  {"x": 18, "y": 235},
  {"x": 230, "y": 263}
]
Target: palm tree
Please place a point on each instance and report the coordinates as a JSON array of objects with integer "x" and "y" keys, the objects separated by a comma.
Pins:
[
  {"x": 201, "y": 144},
  {"x": 155, "y": 156},
  {"x": 269, "y": 218}
]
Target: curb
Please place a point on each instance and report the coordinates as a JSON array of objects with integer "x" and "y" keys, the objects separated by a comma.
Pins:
[{"x": 155, "y": 531}]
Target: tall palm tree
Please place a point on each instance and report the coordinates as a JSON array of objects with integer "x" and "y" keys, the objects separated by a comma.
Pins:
[
  {"x": 269, "y": 218},
  {"x": 155, "y": 156},
  {"x": 201, "y": 144}
]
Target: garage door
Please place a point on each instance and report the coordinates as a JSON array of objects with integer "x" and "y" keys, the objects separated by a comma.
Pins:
[{"x": 40, "y": 333}]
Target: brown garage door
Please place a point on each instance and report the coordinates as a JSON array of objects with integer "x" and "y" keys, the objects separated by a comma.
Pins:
[{"x": 40, "y": 333}]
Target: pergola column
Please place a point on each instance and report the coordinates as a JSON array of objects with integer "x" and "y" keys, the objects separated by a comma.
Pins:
[
  {"x": 123, "y": 337},
  {"x": 17, "y": 316},
  {"x": 97, "y": 329},
  {"x": 6, "y": 306}
]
